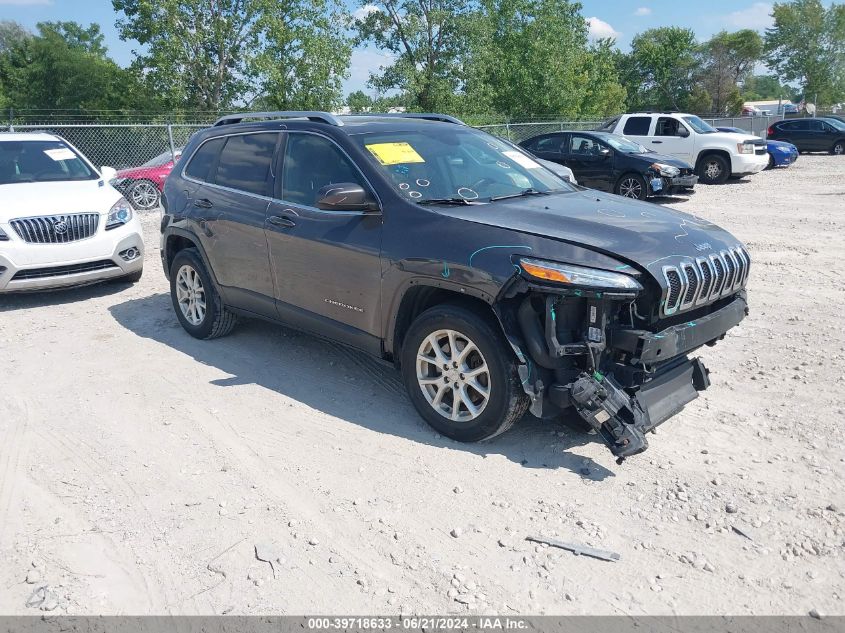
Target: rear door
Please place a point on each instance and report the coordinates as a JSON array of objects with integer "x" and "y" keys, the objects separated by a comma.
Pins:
[
  {"x": 797, "y": 132},
  {"x": 234, "y": 177},
  {"x": 326, "y": 264}
]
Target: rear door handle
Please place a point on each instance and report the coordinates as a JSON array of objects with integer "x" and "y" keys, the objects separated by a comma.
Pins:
[
  {"x": 203, "y": 203},
  {"x": 280, "y": 221},
  {"x": 657, "y": 142}
]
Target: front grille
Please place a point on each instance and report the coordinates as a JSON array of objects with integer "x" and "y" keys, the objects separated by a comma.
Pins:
[
  {"x": 63, "y": 271},
  {"x": 695, "y": 283},
  {"x": 56, "y": 229},
  {"x": 760, "y": 151}
]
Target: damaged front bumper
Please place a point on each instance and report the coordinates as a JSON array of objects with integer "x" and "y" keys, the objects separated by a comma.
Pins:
[{"x": 622, "y": 381}]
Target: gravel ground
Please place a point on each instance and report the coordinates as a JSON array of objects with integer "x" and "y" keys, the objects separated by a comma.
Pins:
[{"x": 141, "y": 471}]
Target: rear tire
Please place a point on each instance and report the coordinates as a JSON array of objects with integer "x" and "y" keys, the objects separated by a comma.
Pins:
[
  {"x": 143, "y": 195},
  {"x": 713, "y": 170},
  {"x": 197, "y": 303},
  {"x": 461, "y": 375},
  {"x": 632, "y": 186}
]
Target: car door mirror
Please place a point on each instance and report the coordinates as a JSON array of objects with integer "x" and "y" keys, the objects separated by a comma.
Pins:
[
  {"x": 345, "y": 196},
  {"x": 108, "y": 173},
  {"x": 683, "y": 132},
  {"x": 604, "y": 152}
]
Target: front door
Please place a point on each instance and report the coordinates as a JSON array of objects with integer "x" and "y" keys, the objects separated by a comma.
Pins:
[
  {"x": 326, "y": 265},
  {"x": 668, "y": 140},
  {"x": 592, "y": 167}
]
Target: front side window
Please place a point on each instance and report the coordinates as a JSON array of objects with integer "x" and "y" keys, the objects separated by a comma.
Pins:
[
  {"x": 245, "y": 162},
  {"x": 311, "y": 163},
  {"x": 203, "y": 159},
  {"x": 637, "y": 126},
  {"x": 667, "y": 126},
  {"x": 41, "y": 161},
  {"x": 453, "y": 162},
  {"x": 584, "y": 146}
]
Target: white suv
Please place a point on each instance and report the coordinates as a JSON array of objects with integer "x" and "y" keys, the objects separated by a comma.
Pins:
[
  {"x": 716, "y": 155},
  {"x": 61, "y": 223}
]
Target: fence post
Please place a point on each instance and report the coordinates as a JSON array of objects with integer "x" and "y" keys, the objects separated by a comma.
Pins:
[
  {"x": 172, "y": 144},
  {"x": 508, "y": 131},
  {"x": 11, "y": 119}
]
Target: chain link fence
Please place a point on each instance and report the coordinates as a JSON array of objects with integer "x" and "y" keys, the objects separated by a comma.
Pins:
[{"x": 120, "y": 145}]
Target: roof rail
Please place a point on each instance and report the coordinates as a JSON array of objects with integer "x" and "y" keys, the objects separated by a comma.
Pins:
[
  {"x": 323, "y": 117},
  {"x": 429, "y": 116}
]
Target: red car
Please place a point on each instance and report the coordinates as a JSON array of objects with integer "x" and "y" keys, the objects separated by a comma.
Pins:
[{"x": 142, "y": 185}]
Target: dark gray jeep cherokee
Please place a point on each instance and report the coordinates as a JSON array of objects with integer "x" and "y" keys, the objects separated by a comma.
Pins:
[{"x": 494, "y": 285}]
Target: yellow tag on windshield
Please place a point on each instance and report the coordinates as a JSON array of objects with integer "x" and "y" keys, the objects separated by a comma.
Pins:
[{"x": 395, "y": 153}]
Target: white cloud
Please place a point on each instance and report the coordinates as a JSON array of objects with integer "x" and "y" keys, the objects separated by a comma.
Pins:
[
  {"x": 359, "y": 13},
  {"x": 642, "y": 11},
  {"x": 758, "y": 16},
  {"x": 26, "y": 3},
  {"x": 600, "y": 29}
]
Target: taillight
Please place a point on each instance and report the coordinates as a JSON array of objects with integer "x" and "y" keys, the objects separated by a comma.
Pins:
[{"x": 770, "y": 131}]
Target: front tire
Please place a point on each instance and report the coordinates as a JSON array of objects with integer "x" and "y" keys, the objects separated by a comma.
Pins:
[
  {"x": 713, "y": 170},
  {"x": 632, "y": 186},
  {"x": 838, "y": 148},
  {"x": 461, "y": 375},
  {"x": 197, "y": 303}
]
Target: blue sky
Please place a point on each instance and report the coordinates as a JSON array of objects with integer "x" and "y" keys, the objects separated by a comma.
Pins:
[{"x": 620, "y": 18}]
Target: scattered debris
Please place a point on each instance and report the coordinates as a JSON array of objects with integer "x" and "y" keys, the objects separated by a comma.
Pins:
[
  {"x": 577, "y": 549},
  {"x": 730, "y": 508},
  {"x": 741, "y": 533},
  {"x": 456, "y": 532},
  {"x": 814, "y": 613},
  {"x": 43, "y": 598},
  {"x": 267, "y": 554}
]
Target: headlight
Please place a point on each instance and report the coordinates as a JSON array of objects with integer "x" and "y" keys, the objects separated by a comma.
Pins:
[
  {"x": 3, "y": 236},
  {"x": 578, "y": 275},
  {"x": 745, "y": 148},
  {"x": 119, "y": 214},
  {"x": 788, "y": 150},
  {"x": 665, "y": 170}
]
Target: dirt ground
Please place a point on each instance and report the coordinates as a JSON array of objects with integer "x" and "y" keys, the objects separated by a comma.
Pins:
[{"x": 140, "y": 468}]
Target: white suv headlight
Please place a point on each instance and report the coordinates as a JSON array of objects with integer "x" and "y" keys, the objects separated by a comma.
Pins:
[
  {"x": 119, "y": 214},
  {"x": 745, "y": 148},
  {"x": 578, "y": 275}
]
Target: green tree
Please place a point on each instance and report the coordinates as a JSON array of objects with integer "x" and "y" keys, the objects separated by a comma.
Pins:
[
  {"x": 761, "y": 87},
  {"x": 359, "y": 102},
  {"x": 806, "y": 44},
  {"x": 65, "y": 66},
  {"x": 727, "y": 60},
  {"x": 216, "y": 54},
  {"x": 428, "y": 43},
  {"x": 661, "y": 68}
]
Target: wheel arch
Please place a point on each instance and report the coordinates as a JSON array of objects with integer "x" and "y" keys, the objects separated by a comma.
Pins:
[
  {"x": 722, "y": 153},
  {"x": 177, "y": 240}
]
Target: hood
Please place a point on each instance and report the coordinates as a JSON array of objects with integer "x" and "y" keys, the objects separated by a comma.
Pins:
[
  {"x": 159, "y": 171},
  {"x": 647, "y": 234},
  {"x": 734, "y": 137},
  {"x": 654, "y": 157},
  {"x": 47, "y": 198},
  {"x": 788, "y": 146}
]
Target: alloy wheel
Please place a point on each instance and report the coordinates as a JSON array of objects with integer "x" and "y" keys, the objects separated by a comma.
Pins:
[
  {"x": 631, "y": 188},
  {"x": 190, "y": 294},
  {"x": 839, "y": 148},
  {"x": 453, "y": 375},
  {"x": 712, "y": 170},
  {"x": 144, "y": 195}
]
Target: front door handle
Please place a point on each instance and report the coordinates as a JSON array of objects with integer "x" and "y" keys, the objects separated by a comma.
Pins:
[
  {"x": 203, "y": 203},
  {"x": 657, "y": 142},
  {"x": 281, "y": 221}
]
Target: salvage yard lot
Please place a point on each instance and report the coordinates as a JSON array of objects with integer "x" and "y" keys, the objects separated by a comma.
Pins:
[{"x": 140, "y": 468}]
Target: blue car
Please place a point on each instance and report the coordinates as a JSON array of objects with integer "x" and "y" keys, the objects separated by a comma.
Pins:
[{"x": 781, "y": 154}]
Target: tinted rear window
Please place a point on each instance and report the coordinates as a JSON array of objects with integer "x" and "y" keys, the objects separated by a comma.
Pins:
[
  {"x": 245, "y": 162},
  {"x": 204, "y": 158},
  {"x": 637, "y": 126}
]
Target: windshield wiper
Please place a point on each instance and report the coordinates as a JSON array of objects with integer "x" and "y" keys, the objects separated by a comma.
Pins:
[
  {"x": 454, "y": 201},
  {"x": 521, "y": 194}
]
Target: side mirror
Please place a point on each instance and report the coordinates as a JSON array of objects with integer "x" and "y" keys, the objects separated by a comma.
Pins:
[
  {"x": 604, "y": 151},
  {"x": 345, "y": 196},
  {"x": 108, "y": 173},
  {"x": 683, "y": 132}
]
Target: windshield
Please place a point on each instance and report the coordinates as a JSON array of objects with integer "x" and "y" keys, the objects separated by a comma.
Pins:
[
  {"x": 448, "y": 162},
  {"x": 622, "y": 144},
  {"x": 162, "y": 159},
  {"x": 41, "y": 161},
  {"x": 698, "y": 125},
  {"x": 839, "y": 125}
]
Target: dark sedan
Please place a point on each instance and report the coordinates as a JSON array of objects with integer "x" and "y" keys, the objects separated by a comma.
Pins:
[
  {"x": 811, "y": 135},
  {"x": 613, "y": 163}
]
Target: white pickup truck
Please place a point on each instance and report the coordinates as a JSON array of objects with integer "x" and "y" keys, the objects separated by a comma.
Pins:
[{"x": 716, "y": 155}]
